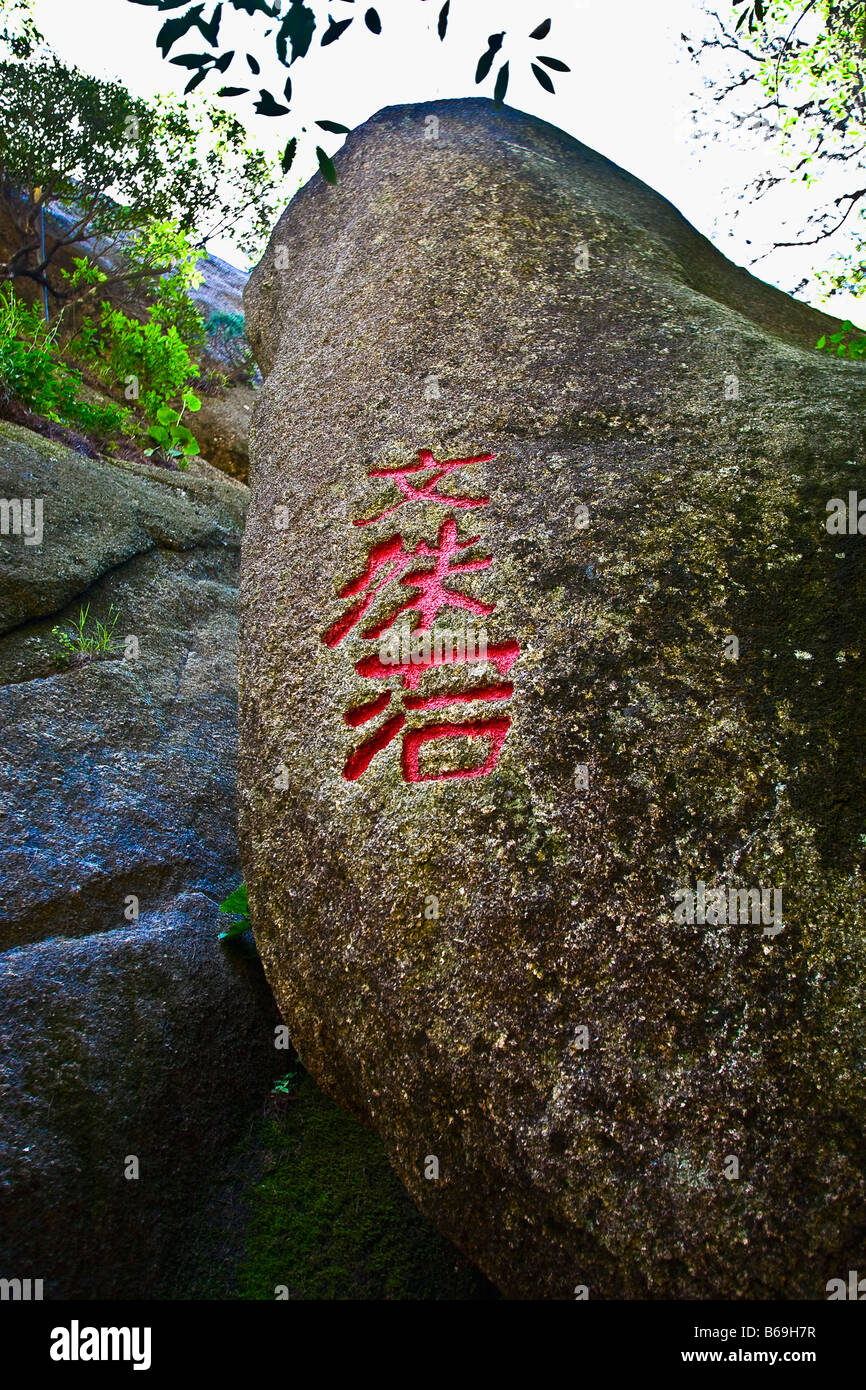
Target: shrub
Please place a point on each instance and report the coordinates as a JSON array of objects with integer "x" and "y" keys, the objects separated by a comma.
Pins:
[
  {"x": 152, "y": 359},
  {"x": 31, "y": 372}
]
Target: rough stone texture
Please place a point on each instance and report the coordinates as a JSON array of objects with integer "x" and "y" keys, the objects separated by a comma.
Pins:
[
  {"x": 222, "y": 429},
  {"x": 459, "y": 1036},
  {"x": 117, "y": 1037}
]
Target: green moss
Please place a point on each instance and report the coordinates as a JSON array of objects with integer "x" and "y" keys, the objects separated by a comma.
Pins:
[{"x": 330, "y": 1219}]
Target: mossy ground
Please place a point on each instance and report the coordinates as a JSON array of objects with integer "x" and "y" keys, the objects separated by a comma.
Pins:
[{"x": 330, "y": 1220}]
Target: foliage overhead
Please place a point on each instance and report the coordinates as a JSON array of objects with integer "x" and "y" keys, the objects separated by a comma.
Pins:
[
  {"x": 290, "y": 34},
  {"x": 119, "y": 164},
  {"x": 799, "y": 67}
]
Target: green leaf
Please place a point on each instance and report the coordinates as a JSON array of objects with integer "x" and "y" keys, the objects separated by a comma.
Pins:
[
  {"x": 191, "y": 60},
  {"x": 485, "y": 62},
  {"x": 335, "y": 30},
  {"x": 174, "y": 29},
  {"x": 211, "y": 30},
  {"x": 191, "y": 447},
  {"x": 236, "y": 929},
  {"x": 166, "y": 416},
  {"x": 326, "y": 165},
  {"x": 237, "y": 901},
  {"x": 266, "y": 106},
  {"x": 822, "y": 342},
  {"x": 191, "y": 401},
  {"x": 159, "y": 434},
  {"x": 296, "y": 31}
]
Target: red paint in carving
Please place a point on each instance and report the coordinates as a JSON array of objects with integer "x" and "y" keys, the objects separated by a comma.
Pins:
[
  {"x": 385, "y": 553},
  {"x": 362, "y": 714},
  {"x": 426, "y": 492},
  {"x": 358, "y": 762},
  {"x": 494, "y": 729},
  {"x": 481, "y": 692},
  {"x": 431, "y": 594},
  {"x": 389, "y": 560},
  {"x": 502, "y": 655}
]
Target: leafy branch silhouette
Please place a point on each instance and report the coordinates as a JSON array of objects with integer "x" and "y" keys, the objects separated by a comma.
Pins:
[{"x": 292, "y": 31}]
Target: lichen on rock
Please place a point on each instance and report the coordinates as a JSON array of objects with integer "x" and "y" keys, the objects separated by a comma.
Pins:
[{"x": 583, "y": 1066}]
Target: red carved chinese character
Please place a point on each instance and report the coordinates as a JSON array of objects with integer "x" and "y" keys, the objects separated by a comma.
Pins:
[
  {"x": 426, "y": 492},
  {"x": 431, "y": 594},
  {"x": 494, "y": 729},
  {"x": 502, "y": 654}
]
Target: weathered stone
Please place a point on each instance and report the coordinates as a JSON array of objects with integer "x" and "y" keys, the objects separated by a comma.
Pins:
[
  {"x": 222, "y": 429},
  {"x": 119, "y": 1037},
  {"x": 583, "y": 1067}
]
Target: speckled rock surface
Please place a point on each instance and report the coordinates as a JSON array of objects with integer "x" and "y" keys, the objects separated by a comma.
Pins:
[
  {"x": 616, "y": 1100},
  {"x": 119, "y": 1037},
  {"x": 221, "y": 428}
]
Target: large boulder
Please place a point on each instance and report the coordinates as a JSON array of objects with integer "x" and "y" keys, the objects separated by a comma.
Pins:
[
  {"x": 127, "y": 1031},
  {"x": 477, "y": 923}
]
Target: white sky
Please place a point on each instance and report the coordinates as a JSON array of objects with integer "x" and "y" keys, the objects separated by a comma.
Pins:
[{"x": 629, "y": 95}]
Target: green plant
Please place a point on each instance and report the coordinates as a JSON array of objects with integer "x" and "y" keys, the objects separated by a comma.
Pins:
[
  {"x": 848, "y": 342},
  {"x": 286, "y": 1084},
  {"x": 793, "y": 70},
  {"x": 174, "y": 442},
  {"x": 79, "y": 645},
  {"x": 121, "y": 164},
  {"x": 150, "y": 359},
  {"x": 236, "y": 905},
  {"x": 32, "y": 373}
]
